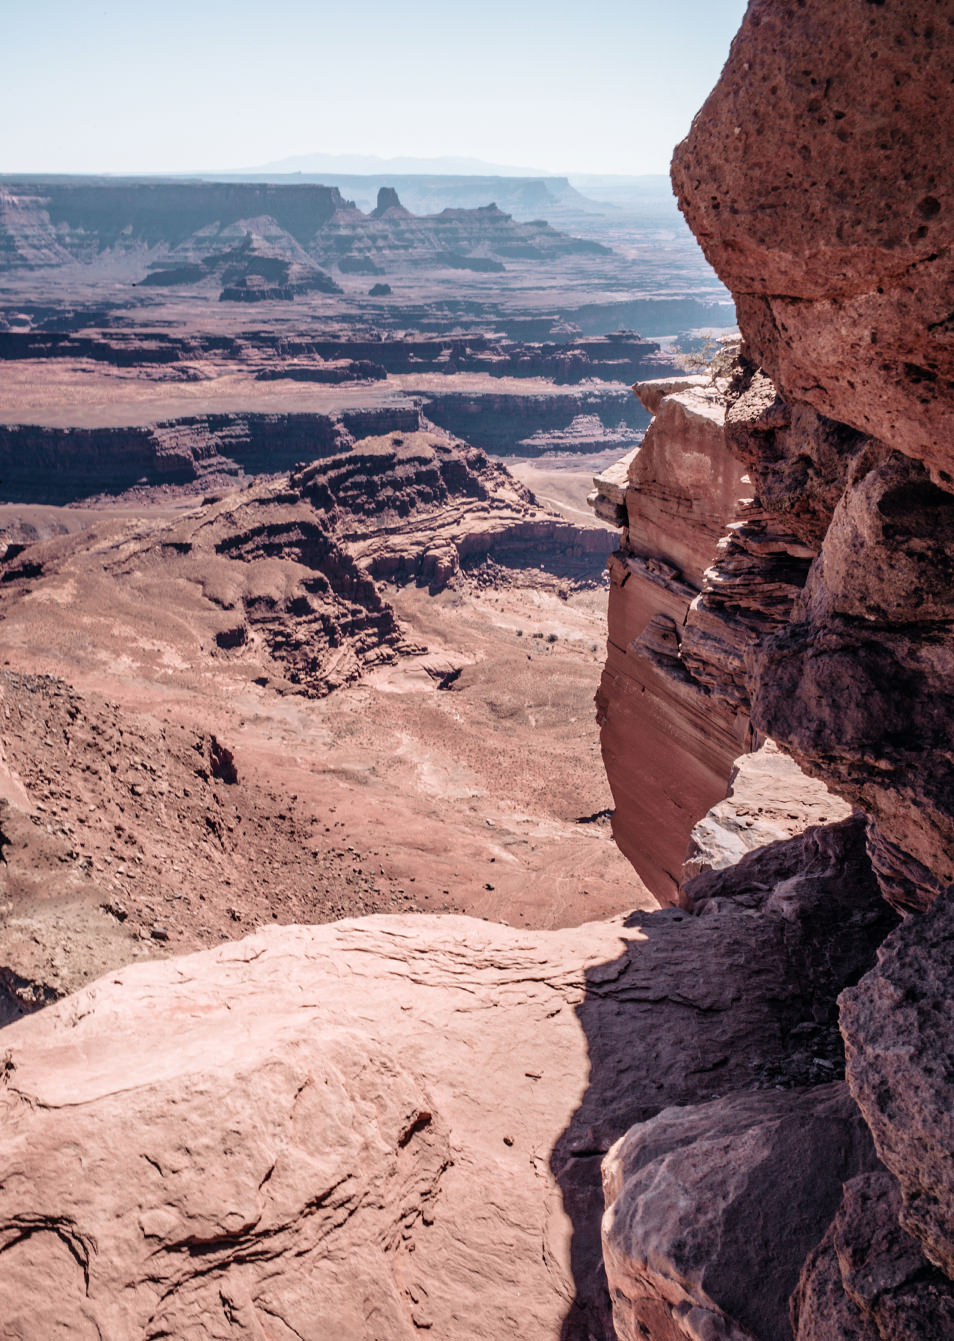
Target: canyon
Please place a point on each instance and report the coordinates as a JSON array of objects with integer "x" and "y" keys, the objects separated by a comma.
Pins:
[{"x": 273, "y": 726}]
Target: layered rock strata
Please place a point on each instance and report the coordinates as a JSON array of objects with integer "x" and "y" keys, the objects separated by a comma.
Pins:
[
  {"x": 619, "y": 357},
  {"x": 48, "y": 465},
  {"x": 673, "y": 496},
  {"x": 282, "y": 578},
  {"x": 56, "y": 465},
  {"x": 257, "y": 239},
  {"x": 813, "y": 180},
  {"x": 679, "y": 623}
]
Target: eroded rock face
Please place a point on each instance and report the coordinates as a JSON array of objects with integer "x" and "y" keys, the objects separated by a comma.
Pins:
[
  {"x": 868, "y": 1280},
  {"x": 667, "y": 747},
  {"x": 282, "y": 577},
  {"x": 711, "y": 1209},
  {"x": 816, "y": 183},
  {"x": 819, "y": 882},
  {"x": 858, "y": 687},
  {"x": 898, "y": 1023},
  {"x": 705, "y": 574}
]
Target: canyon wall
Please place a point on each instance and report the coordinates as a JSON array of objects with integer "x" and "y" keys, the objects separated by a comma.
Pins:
[
  {"x": 816, "y": 183},
  {"x": 40, "y": 464},
  {"x": 186, "y": 231},
  {"x": 666, "y": 745}
]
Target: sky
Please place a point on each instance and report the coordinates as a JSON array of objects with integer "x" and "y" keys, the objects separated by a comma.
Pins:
[{"x": 607, "y": 86}]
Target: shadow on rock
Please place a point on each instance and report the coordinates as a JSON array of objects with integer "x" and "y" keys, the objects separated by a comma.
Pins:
[{"x": 736, "y": 993}]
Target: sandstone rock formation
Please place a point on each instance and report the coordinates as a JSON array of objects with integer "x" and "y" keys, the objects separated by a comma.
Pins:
[
  {"x": 784, "y": 573},
  {"x": 380, "y": 1126},
  {"x": 256, "y": 240},
  {"x": 704, "y": 575},
  {"x": 674, "y": 496},
  {"x": 813, "y": 183},
  {"x": 60, "y": 465},
  {"x": 764, "y": 1171},
  {"x": 897, "y": 1026},
  {"x": 813, "y": 180},
  {"x": 768, "y": 799},
  {"x": 868, "y": 1278},
  {"x": 108, "y": 411},
  {"x": 280, "y": 577}
]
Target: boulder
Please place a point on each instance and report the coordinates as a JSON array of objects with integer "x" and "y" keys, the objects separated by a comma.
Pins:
[
  {"x": 369, "y": 1128},
  {"x": 712, "y": 1209},
  {"x": 816, "y": 182}
]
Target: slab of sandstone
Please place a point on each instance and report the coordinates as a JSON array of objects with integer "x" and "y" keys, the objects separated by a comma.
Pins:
[
  {"x": 769, "y": 799},
  {"x": 651, "y": 392},
  {"x": 367, "y": 1129}
]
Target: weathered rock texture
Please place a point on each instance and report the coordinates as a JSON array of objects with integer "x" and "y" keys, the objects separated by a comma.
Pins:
[
  {"x": 858, "y": 687},
  {"x": 281, "y": 578},
  {"x": 380, "y": 1126},
  {"x": 815, "y": 182},
  {"x": 770, "y": 1162},
  {"x": 898, "y": 1025},
  {"x": 673, "y": 496},
  {"x": 868, "y": 1280}
]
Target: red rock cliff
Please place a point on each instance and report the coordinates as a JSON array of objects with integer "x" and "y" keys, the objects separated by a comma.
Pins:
[{"x": 820, "y": 188}]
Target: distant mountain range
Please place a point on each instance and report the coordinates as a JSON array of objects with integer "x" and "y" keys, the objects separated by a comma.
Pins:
[
  {"x": 614, "y": 188},
  {"x": 430, "y": 184}
]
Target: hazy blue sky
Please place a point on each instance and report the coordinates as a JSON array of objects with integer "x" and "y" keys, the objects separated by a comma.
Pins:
[{"x": 191, "y": 85}]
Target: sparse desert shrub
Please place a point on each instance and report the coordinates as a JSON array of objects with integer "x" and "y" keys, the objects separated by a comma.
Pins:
[{"x": 713, "y": 355}]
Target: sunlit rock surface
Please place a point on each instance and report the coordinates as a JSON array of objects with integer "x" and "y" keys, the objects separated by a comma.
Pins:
[{"x": 374, "y": 1127}]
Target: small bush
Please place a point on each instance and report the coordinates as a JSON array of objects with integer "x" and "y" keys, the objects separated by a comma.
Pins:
[{"x": 714, "y": 356}]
